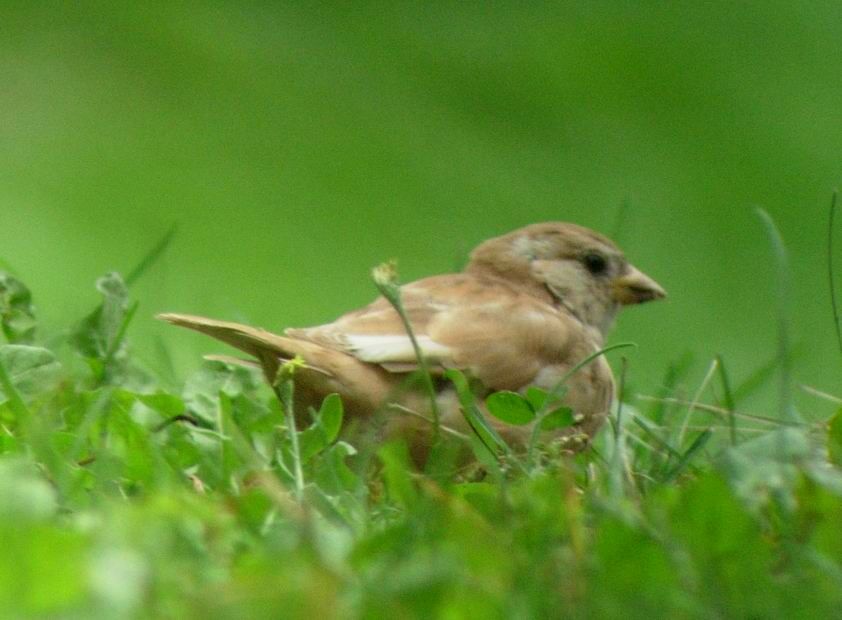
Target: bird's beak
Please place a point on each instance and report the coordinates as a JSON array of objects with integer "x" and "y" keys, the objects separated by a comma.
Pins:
[{"x": 635, "y": 287}]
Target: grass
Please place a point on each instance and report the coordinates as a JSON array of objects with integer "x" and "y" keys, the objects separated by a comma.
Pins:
[{"x": 121, "y": 497}]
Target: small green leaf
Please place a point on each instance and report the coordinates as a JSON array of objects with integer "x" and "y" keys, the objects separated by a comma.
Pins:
[
  {"x": 165, "y": 404},
  {"x": 324, "y": 430},
  {"x": 330, "y": 416},
  {"x": 510, "y": 407},
  {"x": 537, "y": 397},
  {"x": 31, "y": 370},
  {"x": 253, "y": 508},
  {"x": 333, "y": 474},
  {"x": 311, "y": 441},
  {"x": 229, "y": 460},
  {"x": 396, "y": 467},
  {"x": 96, "y": 336},
  {"x": 201, "y": 390},
  {"x": 17, "y": 315},
  {"x": 560, "y": 418}
]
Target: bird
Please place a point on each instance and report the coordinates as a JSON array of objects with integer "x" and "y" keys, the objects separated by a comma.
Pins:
[{"x": 528, "y": 308}]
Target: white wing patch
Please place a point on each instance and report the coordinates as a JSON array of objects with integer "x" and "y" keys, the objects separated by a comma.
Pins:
[{"x": 393, "y": 348}]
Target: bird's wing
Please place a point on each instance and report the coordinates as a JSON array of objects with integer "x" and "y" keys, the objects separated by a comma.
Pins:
[
  {"x": 376, "y": 333},
  {"x": 500, "y": 334}
]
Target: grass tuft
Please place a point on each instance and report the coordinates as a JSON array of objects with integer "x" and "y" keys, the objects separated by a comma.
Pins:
[{"x": 122, "y": 496}]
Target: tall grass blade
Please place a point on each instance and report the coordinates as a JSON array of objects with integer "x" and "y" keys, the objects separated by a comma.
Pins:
[
  {"x": 787, "y": 408},
  {"x": 151, "y": 257},
  {"x": 688, "y": 455},
  {"x": 728, "y": 398},
  {"x": 662, "y": 443},
  {"x": 830, "y": 275},
  {"x": 761, "y": 375},
  {"x": 697, "y": 398},
  {"x": 489, "y": 437},
  {"x": 618, "y": 456},
  {"x": 676, "y": 372}
]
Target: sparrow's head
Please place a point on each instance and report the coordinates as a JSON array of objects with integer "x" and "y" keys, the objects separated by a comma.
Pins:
[{"x": 578, "y": 268}]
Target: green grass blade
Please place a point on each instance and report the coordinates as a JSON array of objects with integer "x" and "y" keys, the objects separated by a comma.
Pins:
[
  {"x": 761, "y": 375},
  {"x": 151, "y": 257},
  {"x": 676, "y": 372},
  {"x": 644, "y": 424},
  {"x": 688, "y": 455},
  {"x": 557, "y": 392},
  {"x": 618, "y": 457},
  {"x": 559, "y": 386},
  {"x": 482, "y": 429},
  {"x": 728, "y": 400},
  {"x": 782, "y": 271},
  {"x": 830, "y": 275},
  {"x": 697, "y": 398}
]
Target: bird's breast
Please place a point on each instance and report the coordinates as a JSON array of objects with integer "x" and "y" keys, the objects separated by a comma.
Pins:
[{"x": 589, "y": 390}]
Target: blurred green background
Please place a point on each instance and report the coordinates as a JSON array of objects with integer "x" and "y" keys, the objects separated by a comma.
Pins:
[{"x": 296, "y": 147}]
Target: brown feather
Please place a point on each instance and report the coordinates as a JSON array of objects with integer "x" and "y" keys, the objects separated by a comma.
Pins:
[{"x": 525, "y": 311}]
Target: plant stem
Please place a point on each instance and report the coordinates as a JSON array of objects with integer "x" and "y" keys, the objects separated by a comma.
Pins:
[
  {"x": 385, "y": 278},
  {"x": 284, "y": 389}
]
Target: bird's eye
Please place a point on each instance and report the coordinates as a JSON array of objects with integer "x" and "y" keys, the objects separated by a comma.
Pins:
[{"x": 595, "y": 263}]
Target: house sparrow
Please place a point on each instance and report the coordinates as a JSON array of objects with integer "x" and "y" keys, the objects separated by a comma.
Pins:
[{"x": 529, "y": 306}]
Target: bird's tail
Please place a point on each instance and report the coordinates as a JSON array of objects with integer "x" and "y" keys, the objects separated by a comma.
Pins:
[
  {"x": 362, "y": 386},
  {"x": 269, "y": 349}
]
